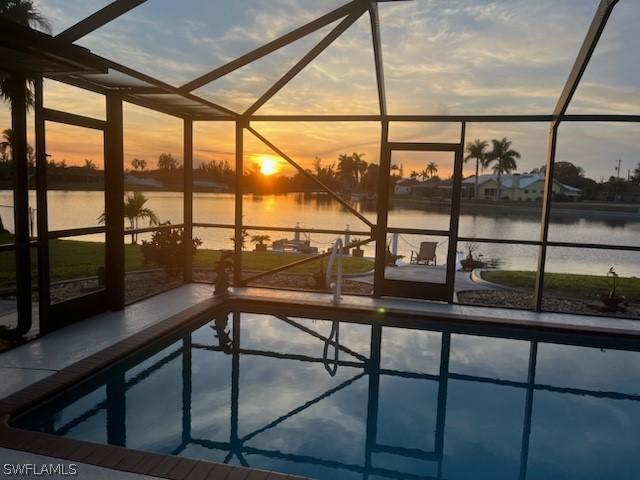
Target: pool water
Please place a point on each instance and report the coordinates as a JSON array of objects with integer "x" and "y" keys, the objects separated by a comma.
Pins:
[{"x": 270, "y": 392}]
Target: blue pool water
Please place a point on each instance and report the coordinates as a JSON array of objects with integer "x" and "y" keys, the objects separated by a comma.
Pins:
[{"x": 266, "y": 392}]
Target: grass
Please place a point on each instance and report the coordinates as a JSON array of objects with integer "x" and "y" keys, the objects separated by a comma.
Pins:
[
  {"x": 566, "y": 284},
  {"x": 77, "y": 259}
]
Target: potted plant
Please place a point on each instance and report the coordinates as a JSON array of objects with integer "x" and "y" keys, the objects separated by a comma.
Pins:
[
  {"x": 472, "y": 260},
  {"x": 166, "y": 249},
  {"x": 357, "y": 251},
  {"x": 612, "y": 300},
  {"x": 259, "y": 241}
]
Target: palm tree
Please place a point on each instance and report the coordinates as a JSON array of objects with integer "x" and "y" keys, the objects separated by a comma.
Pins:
[
  {"x": 24, "y": 13},
  {"x": 141, "y": 163},
  {"x": 134, "y": 210},
  {"x": 477, "y": 152},
  {"x": 6, "y": 149},
  {"x": 502, "y": 158},
  {"x": 424, "y": 174},
  {"x": 432, "y": 169},
  {"x": 359, "y": 165},
  {"x": 5, "y": 144},
  {"x": 259, "y": 241},
  {"x": 413, "y": 175},
  {"x": 346, "y": 170}
]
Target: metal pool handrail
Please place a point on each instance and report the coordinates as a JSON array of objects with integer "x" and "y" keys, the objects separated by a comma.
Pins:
[
  {"x": 336, "y": 251},
  {"x": 337, "y": 286}
]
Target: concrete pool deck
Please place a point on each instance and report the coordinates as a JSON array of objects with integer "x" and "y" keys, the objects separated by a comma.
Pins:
[
  {"x": 41, "y": 358},
  {"x": 429, "y": 273}
]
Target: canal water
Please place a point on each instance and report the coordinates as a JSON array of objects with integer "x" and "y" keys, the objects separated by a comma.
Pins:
[{"x": 75, "y": 209}]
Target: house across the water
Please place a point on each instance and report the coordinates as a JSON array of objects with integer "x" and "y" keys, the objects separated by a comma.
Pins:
[{"x": 517, "y": 187}]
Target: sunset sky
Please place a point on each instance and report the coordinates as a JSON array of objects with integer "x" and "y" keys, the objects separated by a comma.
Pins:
[{"x": 441, "y": 57}]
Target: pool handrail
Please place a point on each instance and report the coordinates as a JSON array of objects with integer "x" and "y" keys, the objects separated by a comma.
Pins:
[{"x": 336, "y": 251}]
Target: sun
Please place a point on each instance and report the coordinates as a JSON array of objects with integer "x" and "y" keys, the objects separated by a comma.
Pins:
[{"x": 268, "y": 165}]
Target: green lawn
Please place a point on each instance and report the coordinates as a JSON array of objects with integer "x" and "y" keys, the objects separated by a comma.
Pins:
[
  {"x": 76, "y": 259},
  {"x": 566, "y": 284}
]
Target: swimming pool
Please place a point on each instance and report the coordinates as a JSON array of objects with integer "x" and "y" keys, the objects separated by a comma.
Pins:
[{"x": 276, "y": 391}]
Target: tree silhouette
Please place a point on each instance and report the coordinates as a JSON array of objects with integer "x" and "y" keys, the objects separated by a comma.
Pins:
[
  {"x": 166, "y": 161},
  {"x": 24, "y": 13},
  {"x": 6, "y": 148},
  {"x": 5, "y": 144},
  {"x": 502, "y": 159},
  {"x": 134, "y": 210},
  {"x": 476, "y": 151},
  {"x": 636, "y": 174},
  {"x": 359, "y": 166},
  {"x": 432, "y": 169},
  {"x": 139, "y": 164},
  {"x": 346, "y": 171}
]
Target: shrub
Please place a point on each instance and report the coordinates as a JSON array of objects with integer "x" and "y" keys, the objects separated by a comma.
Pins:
[{"x": 166, "y": 250}]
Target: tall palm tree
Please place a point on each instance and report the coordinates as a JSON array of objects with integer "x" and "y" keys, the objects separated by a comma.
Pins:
[
  {"x": 134, "y": 210},
  {"x": 359, "y": 165},
  {"x": 24, "y": 13},
  {"x": 424, "y": 174},
  {"x": 346, "y": 170},
  {"x": 432, "y": 169},
  {"x": 476, "y": 151},
  {"x": 503, "y": 159},
  {"x": 413, "y": 175}
]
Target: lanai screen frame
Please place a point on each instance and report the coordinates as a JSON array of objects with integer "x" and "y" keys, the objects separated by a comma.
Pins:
[{"x": 200, "y": 109}]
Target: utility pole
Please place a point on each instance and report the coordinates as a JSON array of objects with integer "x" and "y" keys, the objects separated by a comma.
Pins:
[{"x": 619, "y": 162}]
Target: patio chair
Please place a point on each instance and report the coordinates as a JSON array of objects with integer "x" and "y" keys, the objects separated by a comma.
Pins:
[{"x": 426, "y": 255}]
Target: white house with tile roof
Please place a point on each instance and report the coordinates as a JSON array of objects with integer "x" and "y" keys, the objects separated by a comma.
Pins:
[{"x": 518, "y": 187}]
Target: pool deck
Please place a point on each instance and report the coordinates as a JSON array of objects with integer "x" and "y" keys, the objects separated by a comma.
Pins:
[
  {"x": 28, "y": 369},
  {"x": 428, "y": 273}
]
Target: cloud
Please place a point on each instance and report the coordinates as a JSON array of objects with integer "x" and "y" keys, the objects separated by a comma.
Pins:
[{"x": 441, "y": 57}]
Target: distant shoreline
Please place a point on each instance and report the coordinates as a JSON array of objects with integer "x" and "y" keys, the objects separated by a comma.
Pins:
[{"x": 584, "y": 209}]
